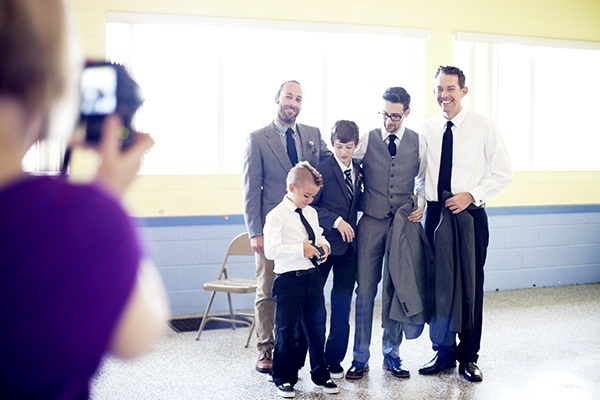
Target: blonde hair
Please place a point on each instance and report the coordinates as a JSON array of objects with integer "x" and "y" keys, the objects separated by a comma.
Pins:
[
  {"x": 302, "y": 173},
  {"x": 32, "y": 50}
]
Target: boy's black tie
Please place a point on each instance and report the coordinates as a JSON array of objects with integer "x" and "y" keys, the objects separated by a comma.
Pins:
[
  {"x": 309, "y": 230},
  {"x": 311, "y": 234}
]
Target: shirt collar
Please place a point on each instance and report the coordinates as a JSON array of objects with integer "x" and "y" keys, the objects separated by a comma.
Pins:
[
  {"x": 288, "y": 204},
  {"x": 342, "y": 166},
  {"x": 457, "y": 120},
  {"x": 281, "y": 129},
  {"x": 399, "y": 134}
]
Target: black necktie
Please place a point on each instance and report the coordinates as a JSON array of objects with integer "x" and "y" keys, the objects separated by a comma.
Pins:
[
  {"x": 392, "y": 145},
  {"x": 445, "y": 162},
  {"x": 349, "y": 185},
  {"x": 311, "y": 234},
  {"x": 291, "y": 146},
  {"x": 309, "y": 230}
]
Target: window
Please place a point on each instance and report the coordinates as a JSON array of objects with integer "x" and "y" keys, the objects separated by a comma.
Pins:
[
  {"x": 209, "y": 82},
  {"x": 541, "y": 92}
]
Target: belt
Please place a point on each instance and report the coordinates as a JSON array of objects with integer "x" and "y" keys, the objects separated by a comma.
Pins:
[
  {"x": 302, "y": 272},
  {"x": 470, "y": 207}
]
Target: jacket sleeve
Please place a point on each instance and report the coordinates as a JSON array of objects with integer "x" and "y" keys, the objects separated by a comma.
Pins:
[{"x": 252, "y": 187}]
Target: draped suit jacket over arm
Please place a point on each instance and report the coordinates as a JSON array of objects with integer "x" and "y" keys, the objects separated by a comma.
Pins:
[
  {"x": 408, "y": 274},
  {"x": 454, "y": 274}
]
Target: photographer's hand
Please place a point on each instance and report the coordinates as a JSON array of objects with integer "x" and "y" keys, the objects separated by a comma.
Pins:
[{"x": 118, "y": 168}]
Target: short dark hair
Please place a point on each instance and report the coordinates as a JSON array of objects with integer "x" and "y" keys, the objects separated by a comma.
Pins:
[
  {"x": 344, "y": 131},
  {"x": 397, "y": 95},
  {"x": 450, "y": 70},
  {"x": 285, "y": 83}
]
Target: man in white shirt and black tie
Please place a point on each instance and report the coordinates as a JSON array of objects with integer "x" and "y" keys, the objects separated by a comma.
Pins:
[{"x": 467, "y": 159}]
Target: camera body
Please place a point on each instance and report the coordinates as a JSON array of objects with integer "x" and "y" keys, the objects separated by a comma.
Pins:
[
  {"x": 316, "y": 260},
  {"x": 106, "y": 88}
]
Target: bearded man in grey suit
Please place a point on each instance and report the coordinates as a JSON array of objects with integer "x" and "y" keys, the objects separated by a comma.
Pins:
[{"x": 270, "y": 154}]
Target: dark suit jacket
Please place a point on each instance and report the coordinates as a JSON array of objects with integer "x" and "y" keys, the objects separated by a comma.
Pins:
[
  {"x": 454, "y": 308},
  {"x": 332, "y": 202},
  {"x": 266, "y": 165}
]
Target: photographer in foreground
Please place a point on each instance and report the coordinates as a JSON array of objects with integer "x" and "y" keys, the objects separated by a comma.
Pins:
[{"x": 73, "y": 281}]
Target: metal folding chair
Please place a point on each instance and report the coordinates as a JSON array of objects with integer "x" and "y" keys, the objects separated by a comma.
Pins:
[{"x": 239, "y": 246}]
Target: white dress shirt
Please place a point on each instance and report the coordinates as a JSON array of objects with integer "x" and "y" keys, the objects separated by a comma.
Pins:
[
  {"x": 285, "y": 235},
  {"x": 480, "y": 163},
  {"x": 361, "y": 150}
]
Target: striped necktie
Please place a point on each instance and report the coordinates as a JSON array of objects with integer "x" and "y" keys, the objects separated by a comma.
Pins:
[{"x": 349, "y": 185}]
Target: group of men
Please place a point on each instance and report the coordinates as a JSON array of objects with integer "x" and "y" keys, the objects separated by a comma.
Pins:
[{"x": 396, "y": 177}]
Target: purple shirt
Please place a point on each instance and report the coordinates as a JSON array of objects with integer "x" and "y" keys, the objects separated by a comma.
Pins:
[{"x": 68, "y": 261}]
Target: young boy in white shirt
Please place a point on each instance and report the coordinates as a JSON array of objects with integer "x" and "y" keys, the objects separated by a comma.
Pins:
[{"x": 295, "y": 241}]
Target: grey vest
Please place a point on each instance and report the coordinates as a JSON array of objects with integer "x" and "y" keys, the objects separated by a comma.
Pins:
[{"x": 388, "y": 183}]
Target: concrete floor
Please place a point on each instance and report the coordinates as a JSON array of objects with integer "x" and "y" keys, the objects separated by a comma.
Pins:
[{"x": 540, "y": 343}]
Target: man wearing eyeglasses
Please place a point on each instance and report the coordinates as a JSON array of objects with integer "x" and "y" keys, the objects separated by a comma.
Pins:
[{"x": 393, "y": 163}]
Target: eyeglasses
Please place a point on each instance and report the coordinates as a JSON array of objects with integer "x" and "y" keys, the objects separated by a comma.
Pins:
[{"x": 393, "y": 117}]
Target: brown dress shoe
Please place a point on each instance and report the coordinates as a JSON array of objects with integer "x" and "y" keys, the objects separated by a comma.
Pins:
[{"x": 265, "y": 361}]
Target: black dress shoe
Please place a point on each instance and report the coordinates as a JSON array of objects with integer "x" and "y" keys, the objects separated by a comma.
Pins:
[
  {"x": 357, "y": 371},
  {"x": 471, "y": 372},
  {"x": 437, "y": 365},
  {"x": 394, "y": 365}
]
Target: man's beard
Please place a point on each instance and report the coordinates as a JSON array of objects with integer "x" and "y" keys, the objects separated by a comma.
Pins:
[{"x": 288, "y": 120}]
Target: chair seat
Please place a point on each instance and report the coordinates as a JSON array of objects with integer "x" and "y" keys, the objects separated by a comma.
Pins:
[{"x": 232, "y": 285}]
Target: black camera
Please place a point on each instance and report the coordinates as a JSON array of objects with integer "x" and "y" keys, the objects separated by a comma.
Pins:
[
  {"x": 106, "y": 88},
  {"x": 316, "y": 260}
]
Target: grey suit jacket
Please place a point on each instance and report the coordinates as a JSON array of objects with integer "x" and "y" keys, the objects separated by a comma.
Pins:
[
  {"x": 266, "y": 165},
  {"x": 408, "y": 274}
]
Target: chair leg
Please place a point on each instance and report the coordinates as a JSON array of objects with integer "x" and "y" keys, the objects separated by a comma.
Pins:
[
  {"x": 231, "y": 311},
  {"x": 205, "y": 317},
  {"x": 250, "y": 333}
]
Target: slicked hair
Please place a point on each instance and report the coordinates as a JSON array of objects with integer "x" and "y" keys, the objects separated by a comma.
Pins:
[
  {"x": 450, "y": 70},
  {"x": 285, "y": 83},
  {"x": 397, "y": 95}
]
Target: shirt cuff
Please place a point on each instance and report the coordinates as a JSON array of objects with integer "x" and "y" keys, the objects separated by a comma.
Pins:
[
  {"x": 478, "y": 196},
  {"x": 337, "y": 222}
]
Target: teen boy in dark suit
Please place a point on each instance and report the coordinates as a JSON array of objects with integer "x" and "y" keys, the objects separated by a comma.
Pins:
[{"x": 337, "y": 206}]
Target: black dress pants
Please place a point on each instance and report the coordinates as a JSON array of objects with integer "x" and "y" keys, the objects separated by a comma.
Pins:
[
  {"x": 299, "y": 297},
  {"x": 469, "y": 340},
  {"x": 344, "y": 278}
]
